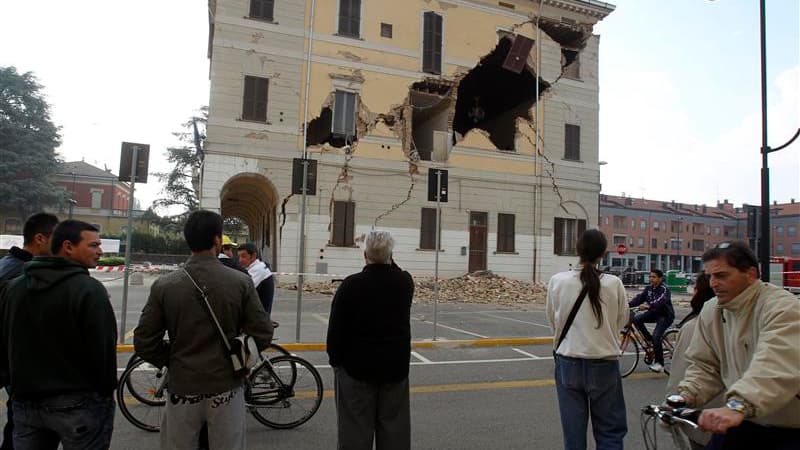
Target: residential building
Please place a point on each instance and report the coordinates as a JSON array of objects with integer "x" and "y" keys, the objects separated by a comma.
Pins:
[
  {"x": 507, "y": 104},
  {"x": 668, "y": 235}
]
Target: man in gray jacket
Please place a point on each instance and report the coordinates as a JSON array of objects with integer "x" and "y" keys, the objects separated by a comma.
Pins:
[{"x": 203, "y": 386}]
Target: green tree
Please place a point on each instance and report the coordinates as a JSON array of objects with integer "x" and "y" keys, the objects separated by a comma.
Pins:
[
  {"x": 28, "y": 141},
  {"x": 181, "y": 184}
]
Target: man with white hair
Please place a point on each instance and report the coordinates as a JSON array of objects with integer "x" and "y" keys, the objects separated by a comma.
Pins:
[{"x": 371, "y": 315}]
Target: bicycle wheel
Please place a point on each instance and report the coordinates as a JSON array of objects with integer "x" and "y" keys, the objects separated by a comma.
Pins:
[
  {"x": 628, "y": 353},
  {"x": 284, "y": 392},
  {"x": 141, "y": 396},
  {"x": 669, "y": 342}
]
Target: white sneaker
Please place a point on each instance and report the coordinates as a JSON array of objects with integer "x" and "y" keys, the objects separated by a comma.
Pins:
[{"x": 656, "y": 367}]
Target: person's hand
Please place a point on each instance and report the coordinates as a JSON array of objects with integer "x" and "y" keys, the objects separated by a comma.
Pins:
[
  {"x": 644, "y": 306},
  {"x": 719, "y": 420}
]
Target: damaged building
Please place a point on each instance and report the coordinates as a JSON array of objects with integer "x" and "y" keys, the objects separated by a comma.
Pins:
[{"x": 502, "y": 95}]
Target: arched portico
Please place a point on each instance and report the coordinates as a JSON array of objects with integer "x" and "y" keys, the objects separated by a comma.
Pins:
[{"x": 253, "y": 198}]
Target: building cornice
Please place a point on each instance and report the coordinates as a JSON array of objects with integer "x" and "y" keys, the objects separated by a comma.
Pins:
[{"x": 591, "y": 8}]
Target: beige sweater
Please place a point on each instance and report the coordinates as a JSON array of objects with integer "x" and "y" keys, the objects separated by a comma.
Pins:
[
  {"x": 749, "y": 348},
  {"x": 584, "y": 339}
]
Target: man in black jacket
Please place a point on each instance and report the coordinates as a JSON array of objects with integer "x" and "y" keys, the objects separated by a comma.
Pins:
[
  {"x": 35, "y": 242},
  {"x": 56, "y": 305},
  {"x": 371, "y": 315}
]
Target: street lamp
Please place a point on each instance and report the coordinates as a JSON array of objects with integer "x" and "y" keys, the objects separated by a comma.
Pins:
[
  {"x": 680, "y": 244},
  {"x": 599, "y": 192}
]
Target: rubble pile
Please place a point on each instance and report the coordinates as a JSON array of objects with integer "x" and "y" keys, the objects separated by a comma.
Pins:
[
  {"x": 481, "y": 287},
  {"x": 477, "y": 287}
]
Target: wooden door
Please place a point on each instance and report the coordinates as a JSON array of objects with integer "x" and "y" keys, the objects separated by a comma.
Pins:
[{"x": 477, "y": 240}]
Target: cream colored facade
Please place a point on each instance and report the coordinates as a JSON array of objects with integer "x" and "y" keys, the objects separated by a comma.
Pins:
[{"x": 247, "y": 167}]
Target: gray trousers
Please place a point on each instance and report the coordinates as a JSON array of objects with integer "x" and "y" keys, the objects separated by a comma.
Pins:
[
  {"x": 372, "y": 411},
  {"x": 185, "y": 415}
]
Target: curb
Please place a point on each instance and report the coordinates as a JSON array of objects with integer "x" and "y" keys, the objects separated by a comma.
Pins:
[{"x": 427, "y": 344}]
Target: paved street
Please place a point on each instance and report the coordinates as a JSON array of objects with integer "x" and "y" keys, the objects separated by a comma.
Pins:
[{"x": 473, "y": 398}]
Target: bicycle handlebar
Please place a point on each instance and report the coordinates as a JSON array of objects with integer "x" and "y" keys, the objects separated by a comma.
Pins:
[{"x": 671, "y": 415}]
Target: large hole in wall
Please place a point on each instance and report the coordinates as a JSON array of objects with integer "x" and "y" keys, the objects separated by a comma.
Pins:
[
  {"x": 430, "y": 114},
  {"x": 491, "y": 98}
]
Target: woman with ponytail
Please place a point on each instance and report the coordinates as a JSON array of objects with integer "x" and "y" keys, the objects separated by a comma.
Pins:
[{"x": 586, "y": 310}]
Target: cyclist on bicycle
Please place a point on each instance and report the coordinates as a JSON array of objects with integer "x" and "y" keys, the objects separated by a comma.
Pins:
[{"x": 655, "y": 306}]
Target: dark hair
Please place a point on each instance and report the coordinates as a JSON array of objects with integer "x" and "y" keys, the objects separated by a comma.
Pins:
[
  {"x": 702, "y": 294},
  {"x": 69, "y": 230},
  {"x": 39, "y": 223},
  {"x": 591, "y": 247},
  {"x": 659, "y": 273},
  {"x": 201, "y": 228},
  {"x": 735, "y": 253},
  {"x": 250, "y": 248}
]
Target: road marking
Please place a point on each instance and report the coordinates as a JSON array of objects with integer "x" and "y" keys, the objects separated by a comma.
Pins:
[
  {"x": 458, "y": 330},
  {"x": 529, "y": 355},
  {"x": 320, "y": 317},
  {"x": 420, "y": 357},
  {"x": 517, "y": 320}
]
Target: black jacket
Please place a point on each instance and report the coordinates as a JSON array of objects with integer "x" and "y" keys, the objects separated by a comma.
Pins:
[
  {"x": 369, "y": 330},
  {"x": 11, "y": 264},
  {"x": 59, "y": 331}
]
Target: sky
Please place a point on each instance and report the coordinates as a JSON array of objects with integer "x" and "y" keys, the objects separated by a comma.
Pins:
[{"x": 679, "y": 88}]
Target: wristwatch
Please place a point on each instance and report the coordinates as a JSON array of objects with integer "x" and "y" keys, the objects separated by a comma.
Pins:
[{"x": 737, "y": 405}]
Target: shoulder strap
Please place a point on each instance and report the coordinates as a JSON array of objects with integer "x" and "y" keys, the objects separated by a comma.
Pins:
[
  {"x": 571, "y": 317},
  {"x": 210, "y": 311}
]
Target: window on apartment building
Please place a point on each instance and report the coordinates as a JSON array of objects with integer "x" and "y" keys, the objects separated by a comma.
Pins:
[
  {"x": 643, "y": 225},
  {"x": 344, "y": 114},
  {"x": 698, "y": 245},
  {"x": 619, "y": 222},
  {"x": 655, "y": 225},
  {"x": 716, "y": 231},
  {"x": 97, "y": 198},
  {"x": 427, "y": 229},
  {"x": 606, "y": 219},
  {"x": 431, "y": 42},
  {"x": 256, "y": 93},
  {"x": 350, "y": 18},
  {"x": 570, "y": 63},
  {"x": 796, "y": 248},
  {"x": 676, "y": 244},
  {"x": 791, "y": 231},
  {"x": 641, "y": 242},
  {"x": 13, "y": 226},
  {"x": 262, "y": 9},
  {"x": 565, "y": 234},
  {"x": 344, "y": 214},
  {"x": 779, "y": 230},
  {"x": 572, "y": 142},
  {"x": 505, "y": 233},
  {"x": 779, "y": 249},
  {"x": 386, "y": 30},
  {"x": 654, "y": 243}
]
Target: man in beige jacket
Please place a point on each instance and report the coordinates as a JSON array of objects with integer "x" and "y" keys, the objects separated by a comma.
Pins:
[{"x": 746, "y": 345}]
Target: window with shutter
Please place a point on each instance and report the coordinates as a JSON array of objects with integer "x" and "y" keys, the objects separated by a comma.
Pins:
[
  {"x": 343, "y": 227},
  {"x": 505, "y": 233},
  {"x": 572, "y": 142},
  {"x": 565, "y": 235},
  {"x": 262, "y": 9},
  {"x": 344, "y": 114},
  {"x": 350, "y": 18},
  {"x": 427, "y": 232},
  {"x": 432, "y": 43},
  {"x": 256, "y": 95}
]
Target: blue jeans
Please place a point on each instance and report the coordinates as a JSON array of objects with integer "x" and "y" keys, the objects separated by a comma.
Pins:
[
  {"x": 590, "y": 386},
  {"x": 662, "y": 323},
  {"x": 78, "y": 421}
]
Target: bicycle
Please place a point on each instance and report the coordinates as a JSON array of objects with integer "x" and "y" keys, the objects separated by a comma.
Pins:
[
  {"x": 631, "y": 341},
  {"x": 276, "y": 388},
  {"x": 672, "y": 414}
]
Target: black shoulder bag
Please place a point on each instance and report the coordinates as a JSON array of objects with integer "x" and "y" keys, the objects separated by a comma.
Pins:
[{"x": 571, "y": 317}]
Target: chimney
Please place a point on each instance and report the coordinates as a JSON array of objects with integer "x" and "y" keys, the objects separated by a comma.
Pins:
[
  {"x": 774, "y": 203},
  {"x": 705, "y": 209},
  {"x": 628, "y": 201},
  {"x": 793, "y": 201}
]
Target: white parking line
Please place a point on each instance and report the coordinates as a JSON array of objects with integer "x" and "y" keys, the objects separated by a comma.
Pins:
[
  {"x": 522, "y": 352},
  {"x": 320, "y": 317},
  {"x": 517, "y": 320},
  {"x": 420, "y": 357},
  {"x": 470, "y": 333}
]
